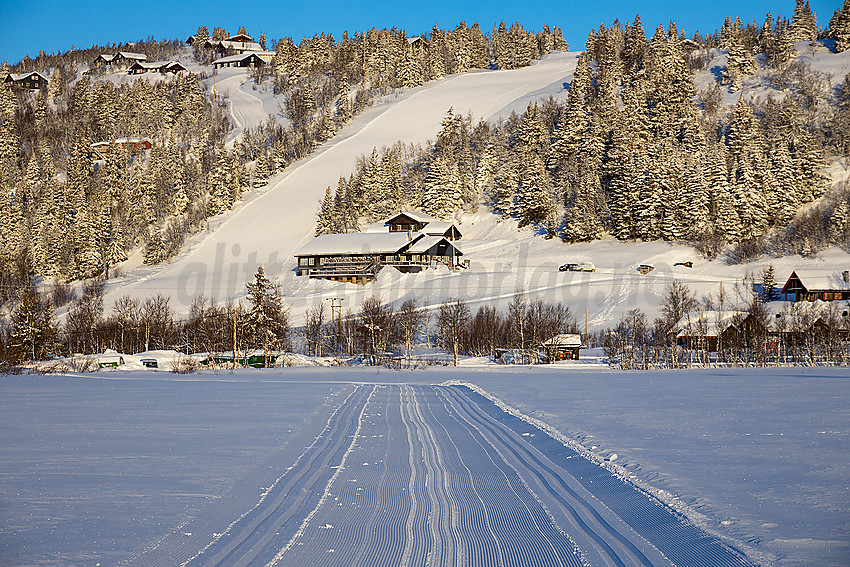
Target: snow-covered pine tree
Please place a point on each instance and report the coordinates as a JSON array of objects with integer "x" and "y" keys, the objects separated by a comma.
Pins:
[
  {"x": 436, "y": 54},
  {"x": 768, "y": 286},
  {"x": 343, "y": 104},
  {"x": 649, "y": 209},
  {"x": 839, "y": 223},
  {"x": 740, "y": 62},
  {"x": 327, "y": 128},
  {"x": 443, "y": 193},
  {"x": 267, "y": 319},
  {"x": 534, "y": 202},
  {"x": 505, "y": 189},
  {"x": 804, "y": 26},
  {"x": 582, "y": 223},
  {"x": 533, "y": 134},
  {"x": 839, "y": 27},
  {"x": 325, "y": 222},
  {"x": 784, "y": 201},
  {"x": 33, "y": 330}
]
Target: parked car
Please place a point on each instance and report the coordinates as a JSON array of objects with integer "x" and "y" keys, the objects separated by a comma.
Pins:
[{"x": 578, "y": 267}]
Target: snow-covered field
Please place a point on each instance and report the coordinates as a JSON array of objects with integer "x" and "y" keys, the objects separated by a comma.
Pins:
[{"x": 113, "y": 466}]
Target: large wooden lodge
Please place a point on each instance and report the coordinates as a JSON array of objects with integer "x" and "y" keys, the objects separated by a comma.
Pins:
[{"x": 409, "y": 242}]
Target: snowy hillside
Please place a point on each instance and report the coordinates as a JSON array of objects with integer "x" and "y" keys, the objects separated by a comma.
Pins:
[{"x": 273, "y": 222}]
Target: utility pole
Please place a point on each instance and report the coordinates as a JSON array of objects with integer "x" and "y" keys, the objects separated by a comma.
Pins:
[
  {"x": 234, "y": 338},
  {"x": 336, "y": 321},
  {"x": 585, "y": 328}
]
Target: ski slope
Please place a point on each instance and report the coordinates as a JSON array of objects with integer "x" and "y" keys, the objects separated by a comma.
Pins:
[{"x": 272, "y": 223}]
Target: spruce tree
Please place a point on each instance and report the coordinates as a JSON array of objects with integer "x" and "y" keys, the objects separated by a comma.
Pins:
[
  {"x": 804, "y": 26},
  {"x": 534, "y": 199},
  {"x": 443, "y": 193},
  {"x": 267, "y": 320},
  {"x": 33, "y": 330},
  {"x": 839, "y": 27},
  {"x": 768, "y": 286},
  {"x": 325, "y": 222}
]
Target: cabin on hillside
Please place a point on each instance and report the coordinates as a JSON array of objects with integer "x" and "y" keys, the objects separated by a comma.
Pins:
[
  {"x": 240, "y": 38},
  {"x": 140, "y": 67},
  {"x": 134, "y": 144},
  {"x": 417, "y": 43},
  {"x": 32, "y": 81},
  {"x": 358, "y": 257},
  {"x": 561, "y": 347},
  {"x": 119, "y": 59},
  {"x": 228, "y": 45},
  {"x": 251, "y": 59},
  {"x": 805, "y": 285}
]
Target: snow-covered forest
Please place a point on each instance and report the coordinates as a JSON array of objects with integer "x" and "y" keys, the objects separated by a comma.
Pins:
[{"x": 638, "y": 151}]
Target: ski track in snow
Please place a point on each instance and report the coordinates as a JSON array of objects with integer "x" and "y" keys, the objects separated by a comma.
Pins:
[{"x": 440, "y": 476}]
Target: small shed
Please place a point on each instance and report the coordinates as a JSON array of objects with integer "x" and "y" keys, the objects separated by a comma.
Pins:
[
  {"x": 110, "y": 360},
  {"x": 645, "y": 268},
  {"x": 561, "y": 347},
  {"x": 150, "y": 363},
  {"x": 134, "y": 143}
]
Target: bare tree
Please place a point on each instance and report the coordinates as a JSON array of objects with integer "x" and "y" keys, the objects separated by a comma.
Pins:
[
  {"x": 454, "y": 325},
  {"x": 314, "y": 329},
  {"x": 411, "y": 319},
  {"x": 516, "y": 322},
  {"x": 486, "y": 331}
]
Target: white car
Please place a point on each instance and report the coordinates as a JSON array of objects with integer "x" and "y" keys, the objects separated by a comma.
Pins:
[{"x": 578, "y": 267}]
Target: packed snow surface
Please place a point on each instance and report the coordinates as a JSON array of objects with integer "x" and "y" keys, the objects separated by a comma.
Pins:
[{"x": 118, "y": 466}]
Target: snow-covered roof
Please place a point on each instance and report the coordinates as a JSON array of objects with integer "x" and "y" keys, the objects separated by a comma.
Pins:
[
  {"x": 423, "y": 243},
  {"x": 238, "y": 57},
  {"x": 242, "y": 37},
  {"x": 243, "y": 45},
  {"x": 131, "y": 55},
  {"x": 563, "y": 340},
  {"x": 820, "y": 280},
  {"x": 438, "y": 227},
  {"x": 792, "y": 316},
  {"x": 132, "y": 140},
  {"x": 418, "y": 217},
  {"x": 153, "y": 65},
  {"x": 708, "y": 323},
  {"x": 22, "y": 76},
  {"x": 357, "y": 243}
]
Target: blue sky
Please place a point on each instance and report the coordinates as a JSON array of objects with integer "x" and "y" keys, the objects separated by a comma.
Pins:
[{"x": 56, "y": 25}]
